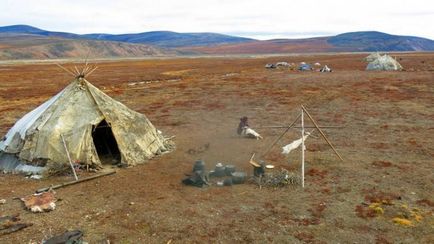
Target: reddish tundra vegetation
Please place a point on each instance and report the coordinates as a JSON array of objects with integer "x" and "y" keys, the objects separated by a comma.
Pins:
[{"x": 381, "y": 193}]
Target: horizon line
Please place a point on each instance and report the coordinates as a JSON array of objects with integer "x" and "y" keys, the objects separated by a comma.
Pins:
[{"x": 249, "y": 35}]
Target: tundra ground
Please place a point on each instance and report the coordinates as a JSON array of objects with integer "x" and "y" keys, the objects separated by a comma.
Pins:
[{"x": 387, "y": 142}]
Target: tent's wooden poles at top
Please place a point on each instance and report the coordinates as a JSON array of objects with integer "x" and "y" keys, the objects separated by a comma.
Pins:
[
  {"x": 86, "y": 60},
  {"x": 86, "y": 69},
  {"x": 321, "y": 132},
  {"x": 65, "y": 69},
  {"x": 78, "y": 71},
  {"x": 90, "y": 72}
]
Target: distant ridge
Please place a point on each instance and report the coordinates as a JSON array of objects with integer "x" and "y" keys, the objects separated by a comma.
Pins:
[
  {"x": 27, "y": 42},
  {"x": 171, "y": 39},
  {"x": 158, "y": 38},
  {"x": 365, "y": 41},
  {"x": 378, "y": 41}
]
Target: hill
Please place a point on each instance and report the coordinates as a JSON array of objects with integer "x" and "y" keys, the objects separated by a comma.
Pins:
[
  {"x": 310, "y": 45},
  {"x": 172, "y": 39},
  {"x": 23, "y": 41},
  {"x": 23, "y": 46},
  {"x": 378, "y": 41},
  {"x": 166, "y": 39},
  {"x": 27, "y": 29},
  {"x": 347, "y": 42}
]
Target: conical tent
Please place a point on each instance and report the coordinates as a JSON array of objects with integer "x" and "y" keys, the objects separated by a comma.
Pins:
[
  {"x": 92, "y": 125},
  {"x": 384, "y": 62}
]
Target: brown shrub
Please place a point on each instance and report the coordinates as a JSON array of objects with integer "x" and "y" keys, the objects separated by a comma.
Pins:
[
  {"x": 317, "y": 173},
  {"x": 365, "y": 212},
  {"x": 317, "y": 210},
  {"x": 382, "y": 240},
  {"x": 425, "y": 202},
  {"x": 381, "y": 164},
  {"x": 376, "y": 196},
  {"x": 304, "y": 237}
]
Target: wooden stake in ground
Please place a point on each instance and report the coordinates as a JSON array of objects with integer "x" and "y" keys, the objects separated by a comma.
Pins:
[
  {"x": 322, "y": 133},
  {"x": 302, "y": 148},
  {"x": 69, "y": 157}
]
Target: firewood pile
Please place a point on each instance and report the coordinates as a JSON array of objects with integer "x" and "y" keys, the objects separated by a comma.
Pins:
[{"x": 280, "y": 178}]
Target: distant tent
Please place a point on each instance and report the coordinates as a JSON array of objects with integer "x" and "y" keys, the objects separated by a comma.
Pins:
[
  {"x": 282, "y": 64},
  {"x": 304, "y": 67},
  {"x": 384, "y": 62},
  {"x": 96, "y": 128},
  {"x": 325, "y": 69},
  {"x": 270, "y": 66}
]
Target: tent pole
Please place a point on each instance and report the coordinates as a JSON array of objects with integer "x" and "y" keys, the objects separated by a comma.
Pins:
[
  {"x": 277, "y": 140},
  {"x": 69, "y": 157},
  {"x": 302, "y": 148},
  {"x": 65, "y": 69},
  {"x": 322, "y": 133}
]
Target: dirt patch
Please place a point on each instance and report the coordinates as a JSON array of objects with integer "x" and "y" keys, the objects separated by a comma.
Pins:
[{"x": 384, "y": 140}]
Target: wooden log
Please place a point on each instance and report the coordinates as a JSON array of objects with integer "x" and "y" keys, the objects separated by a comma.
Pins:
[
  {"x": 74, "y": 182},
  {"x": 298, "y": 127},
  {"x": 322, "y": 133},
  {"x": 14, "y": 228},
  {"x": 252, "y": 162}
]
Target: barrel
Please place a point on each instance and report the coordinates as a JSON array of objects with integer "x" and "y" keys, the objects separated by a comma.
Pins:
[
  {"x": 199, "y": 165},
  {"x": 239, "y": 177}
]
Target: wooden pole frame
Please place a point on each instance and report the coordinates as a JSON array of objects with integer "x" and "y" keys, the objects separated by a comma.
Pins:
[
  {"x": 321, "y": 132},
  {"x": 301, "y": 115},
  {"x": 280, "y": 137}
]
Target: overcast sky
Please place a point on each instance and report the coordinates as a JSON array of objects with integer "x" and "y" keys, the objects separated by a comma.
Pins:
[{"x": 262, "y": 19}]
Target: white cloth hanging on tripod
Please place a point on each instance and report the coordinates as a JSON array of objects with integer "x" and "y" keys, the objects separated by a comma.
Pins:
[{"x": 295, "y": 144}]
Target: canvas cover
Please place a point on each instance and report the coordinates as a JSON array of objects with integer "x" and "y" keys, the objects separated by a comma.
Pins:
[
  {"x": 384, "y": 62},
  {"x": 74, "y": 113},
  {"x": 372, "y": 57}
]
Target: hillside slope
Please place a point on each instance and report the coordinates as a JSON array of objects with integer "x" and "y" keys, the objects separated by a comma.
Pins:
[
  {"x": 166, "y": 39},
  {"x": 14, "y": 46},
  {"x": 172, "y": 39},
  {"x": 347, "y": 42},
  {"x": 378, "y": 41}
]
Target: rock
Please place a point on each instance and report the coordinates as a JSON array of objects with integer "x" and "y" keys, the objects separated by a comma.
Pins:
[{"x": 2, "y": 201}]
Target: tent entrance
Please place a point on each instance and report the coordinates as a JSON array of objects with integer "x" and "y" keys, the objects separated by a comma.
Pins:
[{"x": 105, "y": 144}]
